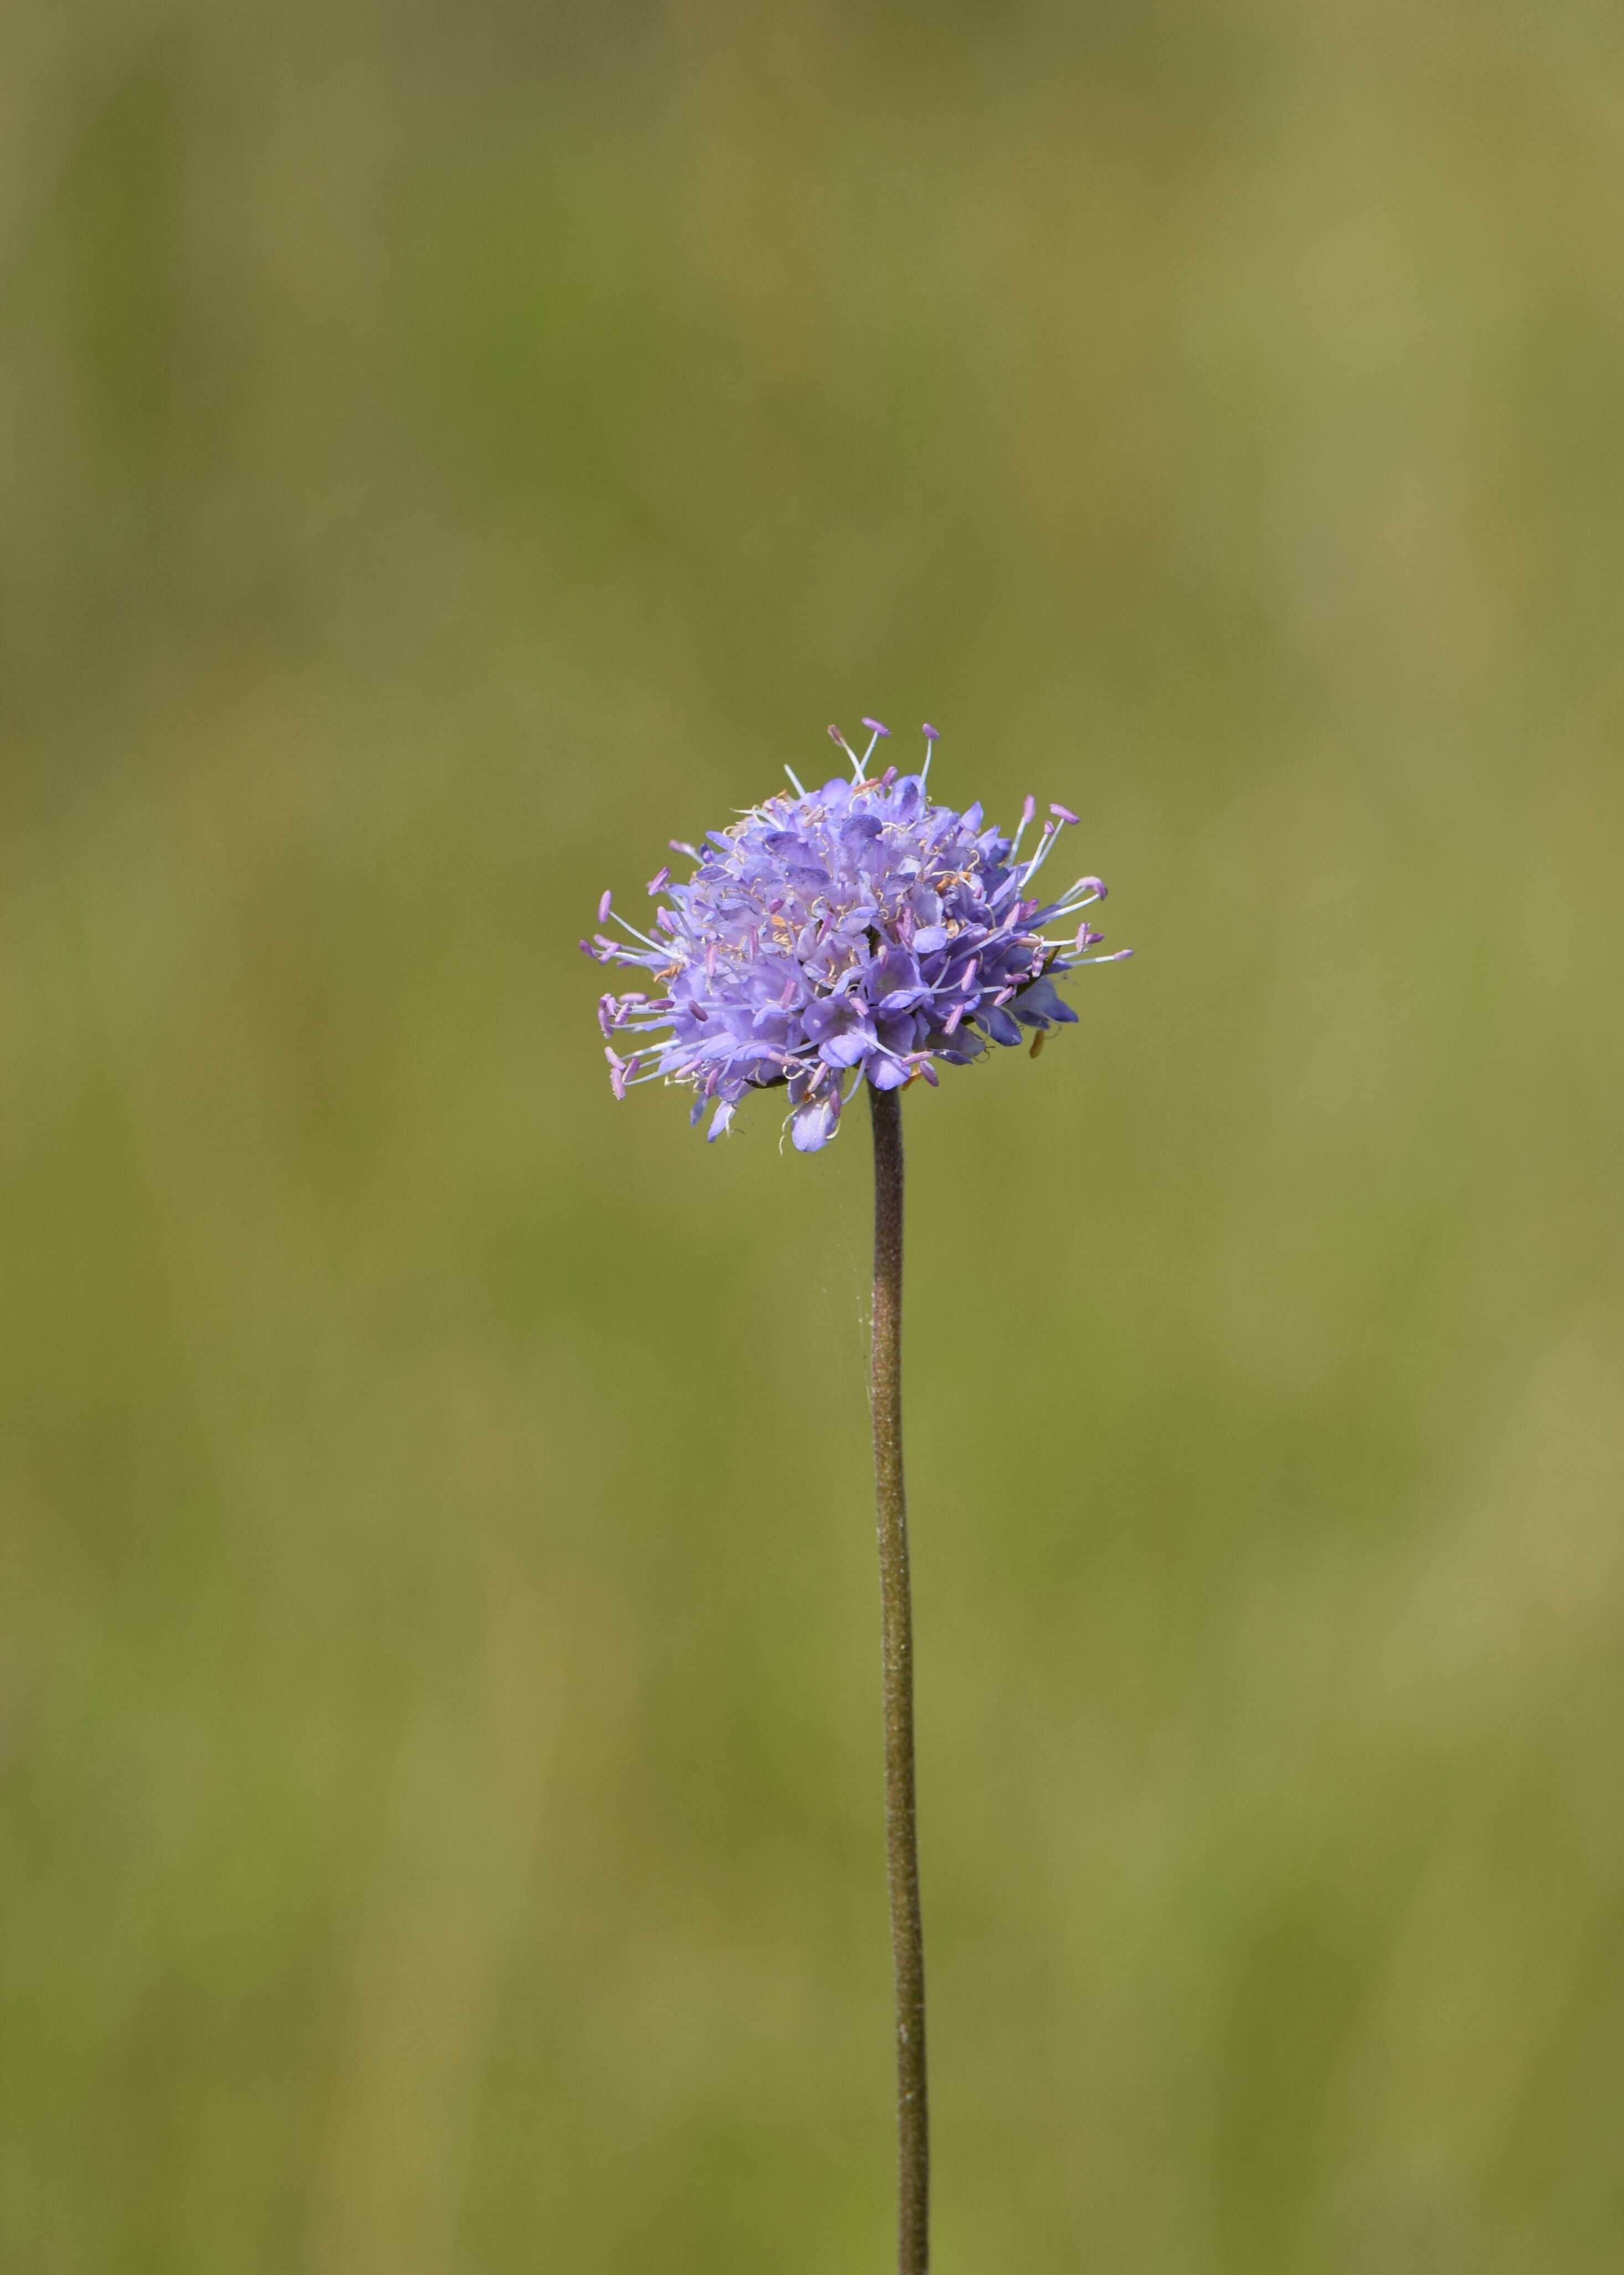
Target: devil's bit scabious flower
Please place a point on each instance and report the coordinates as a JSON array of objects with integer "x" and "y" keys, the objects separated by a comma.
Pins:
[{"x": 857, "y": 930}]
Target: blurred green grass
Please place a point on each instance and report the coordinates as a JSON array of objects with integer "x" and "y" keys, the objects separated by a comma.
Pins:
[{"x": 449, "y": 452}]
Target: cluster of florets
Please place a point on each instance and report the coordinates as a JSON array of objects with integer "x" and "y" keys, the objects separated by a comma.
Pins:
[{"x": 855, "y": 931}]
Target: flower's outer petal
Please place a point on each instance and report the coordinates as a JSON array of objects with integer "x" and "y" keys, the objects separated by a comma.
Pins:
[
  {"x": 812, "y": 1125},
  {"x": 845, "y": 1050},
  {"x": 840, "y": 1026},
  {"x": 1037, "y": 1005},
  {"x": 887, "y": 1073},
  {"x": 998, "y": 1023},
  {"x": 896, "y": 973},
  {"x": 719, "y": 1120},
  {"x": 829, "y": 1014}
]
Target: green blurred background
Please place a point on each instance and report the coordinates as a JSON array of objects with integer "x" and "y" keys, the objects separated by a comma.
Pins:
[{"x": 448, "y": 450}]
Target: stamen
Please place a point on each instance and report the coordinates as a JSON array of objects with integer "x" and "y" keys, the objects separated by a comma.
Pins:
[
  {"x": 1051, "y": 831},
  {"x": 1068, "y": 906},
  {"x": 857, "y": 762},
  {"x": 632, "y": 929}
]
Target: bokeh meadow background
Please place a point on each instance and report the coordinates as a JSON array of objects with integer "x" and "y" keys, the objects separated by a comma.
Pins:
[{"x": 446, "y": 451}]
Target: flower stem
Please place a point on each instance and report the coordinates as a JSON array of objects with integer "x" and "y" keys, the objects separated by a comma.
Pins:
[{"x": 896, "y": 1622}]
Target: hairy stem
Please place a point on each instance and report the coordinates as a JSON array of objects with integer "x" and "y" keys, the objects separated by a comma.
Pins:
[{"x": 896, "y": 1620}]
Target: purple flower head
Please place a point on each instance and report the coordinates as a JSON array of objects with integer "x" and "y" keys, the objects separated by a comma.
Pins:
[{"x": 857, "y": 932}]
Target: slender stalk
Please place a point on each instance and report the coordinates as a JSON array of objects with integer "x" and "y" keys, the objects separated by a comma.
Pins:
[{"x": 913, "y": 2154}]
